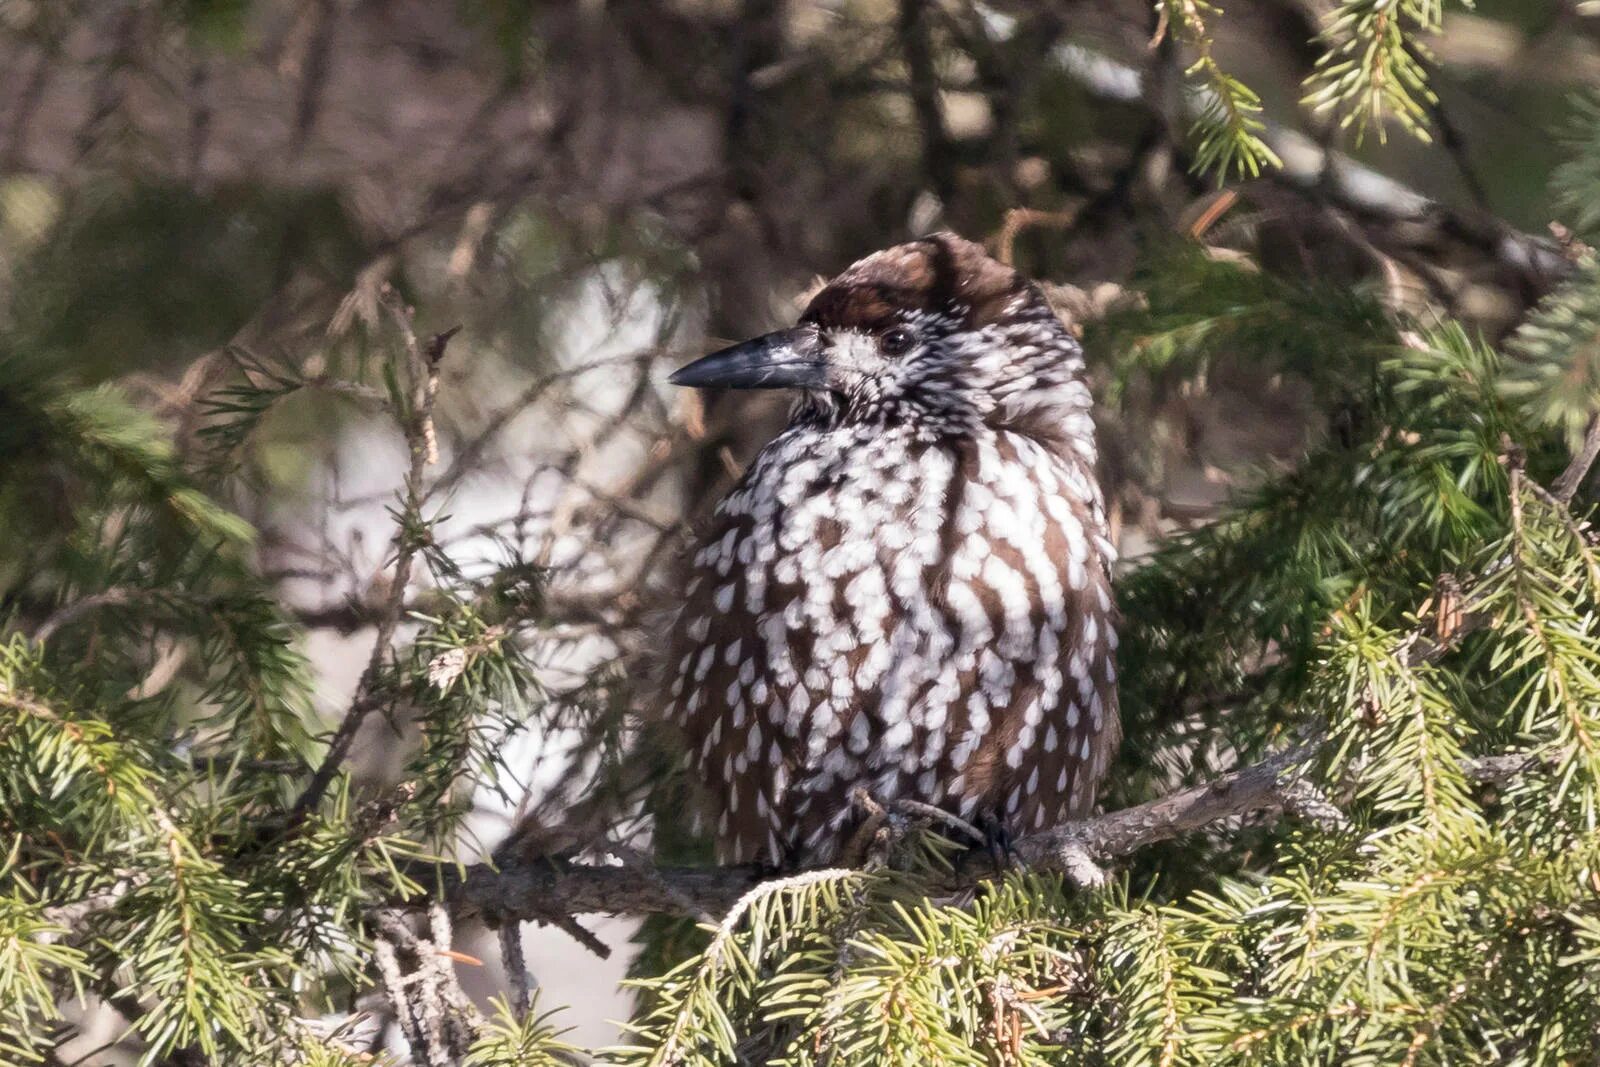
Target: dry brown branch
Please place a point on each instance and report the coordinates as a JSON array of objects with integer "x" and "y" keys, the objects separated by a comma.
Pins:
[
  {"x": 1019, "y": 219},
  {"x": 468, "y": 458}
]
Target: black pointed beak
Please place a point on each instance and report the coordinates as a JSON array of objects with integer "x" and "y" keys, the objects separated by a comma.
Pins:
[{"x": 787, "y": 359}]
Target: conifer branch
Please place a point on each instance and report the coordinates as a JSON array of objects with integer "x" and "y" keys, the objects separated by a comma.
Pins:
[
  {"x": 552, "y": 890},
  {"x": 1339, "y": 180}
]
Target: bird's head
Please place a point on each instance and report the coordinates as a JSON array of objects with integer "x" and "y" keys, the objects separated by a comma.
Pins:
[{"x": 933, "y": 333}]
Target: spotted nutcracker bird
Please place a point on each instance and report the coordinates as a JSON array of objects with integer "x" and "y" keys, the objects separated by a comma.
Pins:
[{"x": 908, "y": 591}]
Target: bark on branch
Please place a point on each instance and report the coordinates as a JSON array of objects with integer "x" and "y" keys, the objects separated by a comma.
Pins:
[{"x": 553, "y": 891}]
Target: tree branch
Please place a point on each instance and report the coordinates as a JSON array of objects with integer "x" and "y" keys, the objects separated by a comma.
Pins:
[
  {"x": 1566, "y": 486},
  {"x": 551, "y": 891},
  {"x": 1339, "y": 180},
  {"x": 544, "y": 890},
  {"x": 417, "y": 424},
  {"x": 912, "y": 27},
  {"x": 115, "y": 596},
  {"x": 1266, "y": 787}
]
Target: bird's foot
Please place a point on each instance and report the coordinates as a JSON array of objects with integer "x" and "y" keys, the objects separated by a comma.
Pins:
[{"x": 996, "y": 842}]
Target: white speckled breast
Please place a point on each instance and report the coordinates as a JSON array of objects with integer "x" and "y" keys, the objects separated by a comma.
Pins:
[{"x": 919, "y": 618}]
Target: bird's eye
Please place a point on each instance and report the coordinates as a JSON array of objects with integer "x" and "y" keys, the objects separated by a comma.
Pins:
[{"x": 896, "y": 341}]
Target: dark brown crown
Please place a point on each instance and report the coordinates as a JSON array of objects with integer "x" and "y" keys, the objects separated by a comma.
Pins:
[{"x": 941, "y": 274}]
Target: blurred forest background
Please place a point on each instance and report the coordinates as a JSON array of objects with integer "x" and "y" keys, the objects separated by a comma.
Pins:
[{"x": 314, "y": 586}]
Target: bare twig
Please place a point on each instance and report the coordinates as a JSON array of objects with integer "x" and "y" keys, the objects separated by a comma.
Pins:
[
  {"x": 1454, "y": 143},
  {"x": 913, "y": 31},
  {"x": 917, "y": 809},
  {"x": 116, "y": 596},
  {"x": 1019, "y": 219},
  {"x": 516, "y": 967},
  {"x": 467, "y": 459},
  {"x": 1565, "y": 487},
  {"x": 71, "y": 917},
  {"x": 417, "y": 425},
  {"x": 579, "y": 933}
]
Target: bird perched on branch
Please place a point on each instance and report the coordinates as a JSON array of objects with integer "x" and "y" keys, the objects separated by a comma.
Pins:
[{"x": 908, "y": 592}]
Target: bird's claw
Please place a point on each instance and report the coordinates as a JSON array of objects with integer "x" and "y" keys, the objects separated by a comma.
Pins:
[{"x": 996, "y": 842}]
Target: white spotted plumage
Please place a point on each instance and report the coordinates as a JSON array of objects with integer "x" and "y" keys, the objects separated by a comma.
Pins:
[{"x": 910, "y": 586}]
